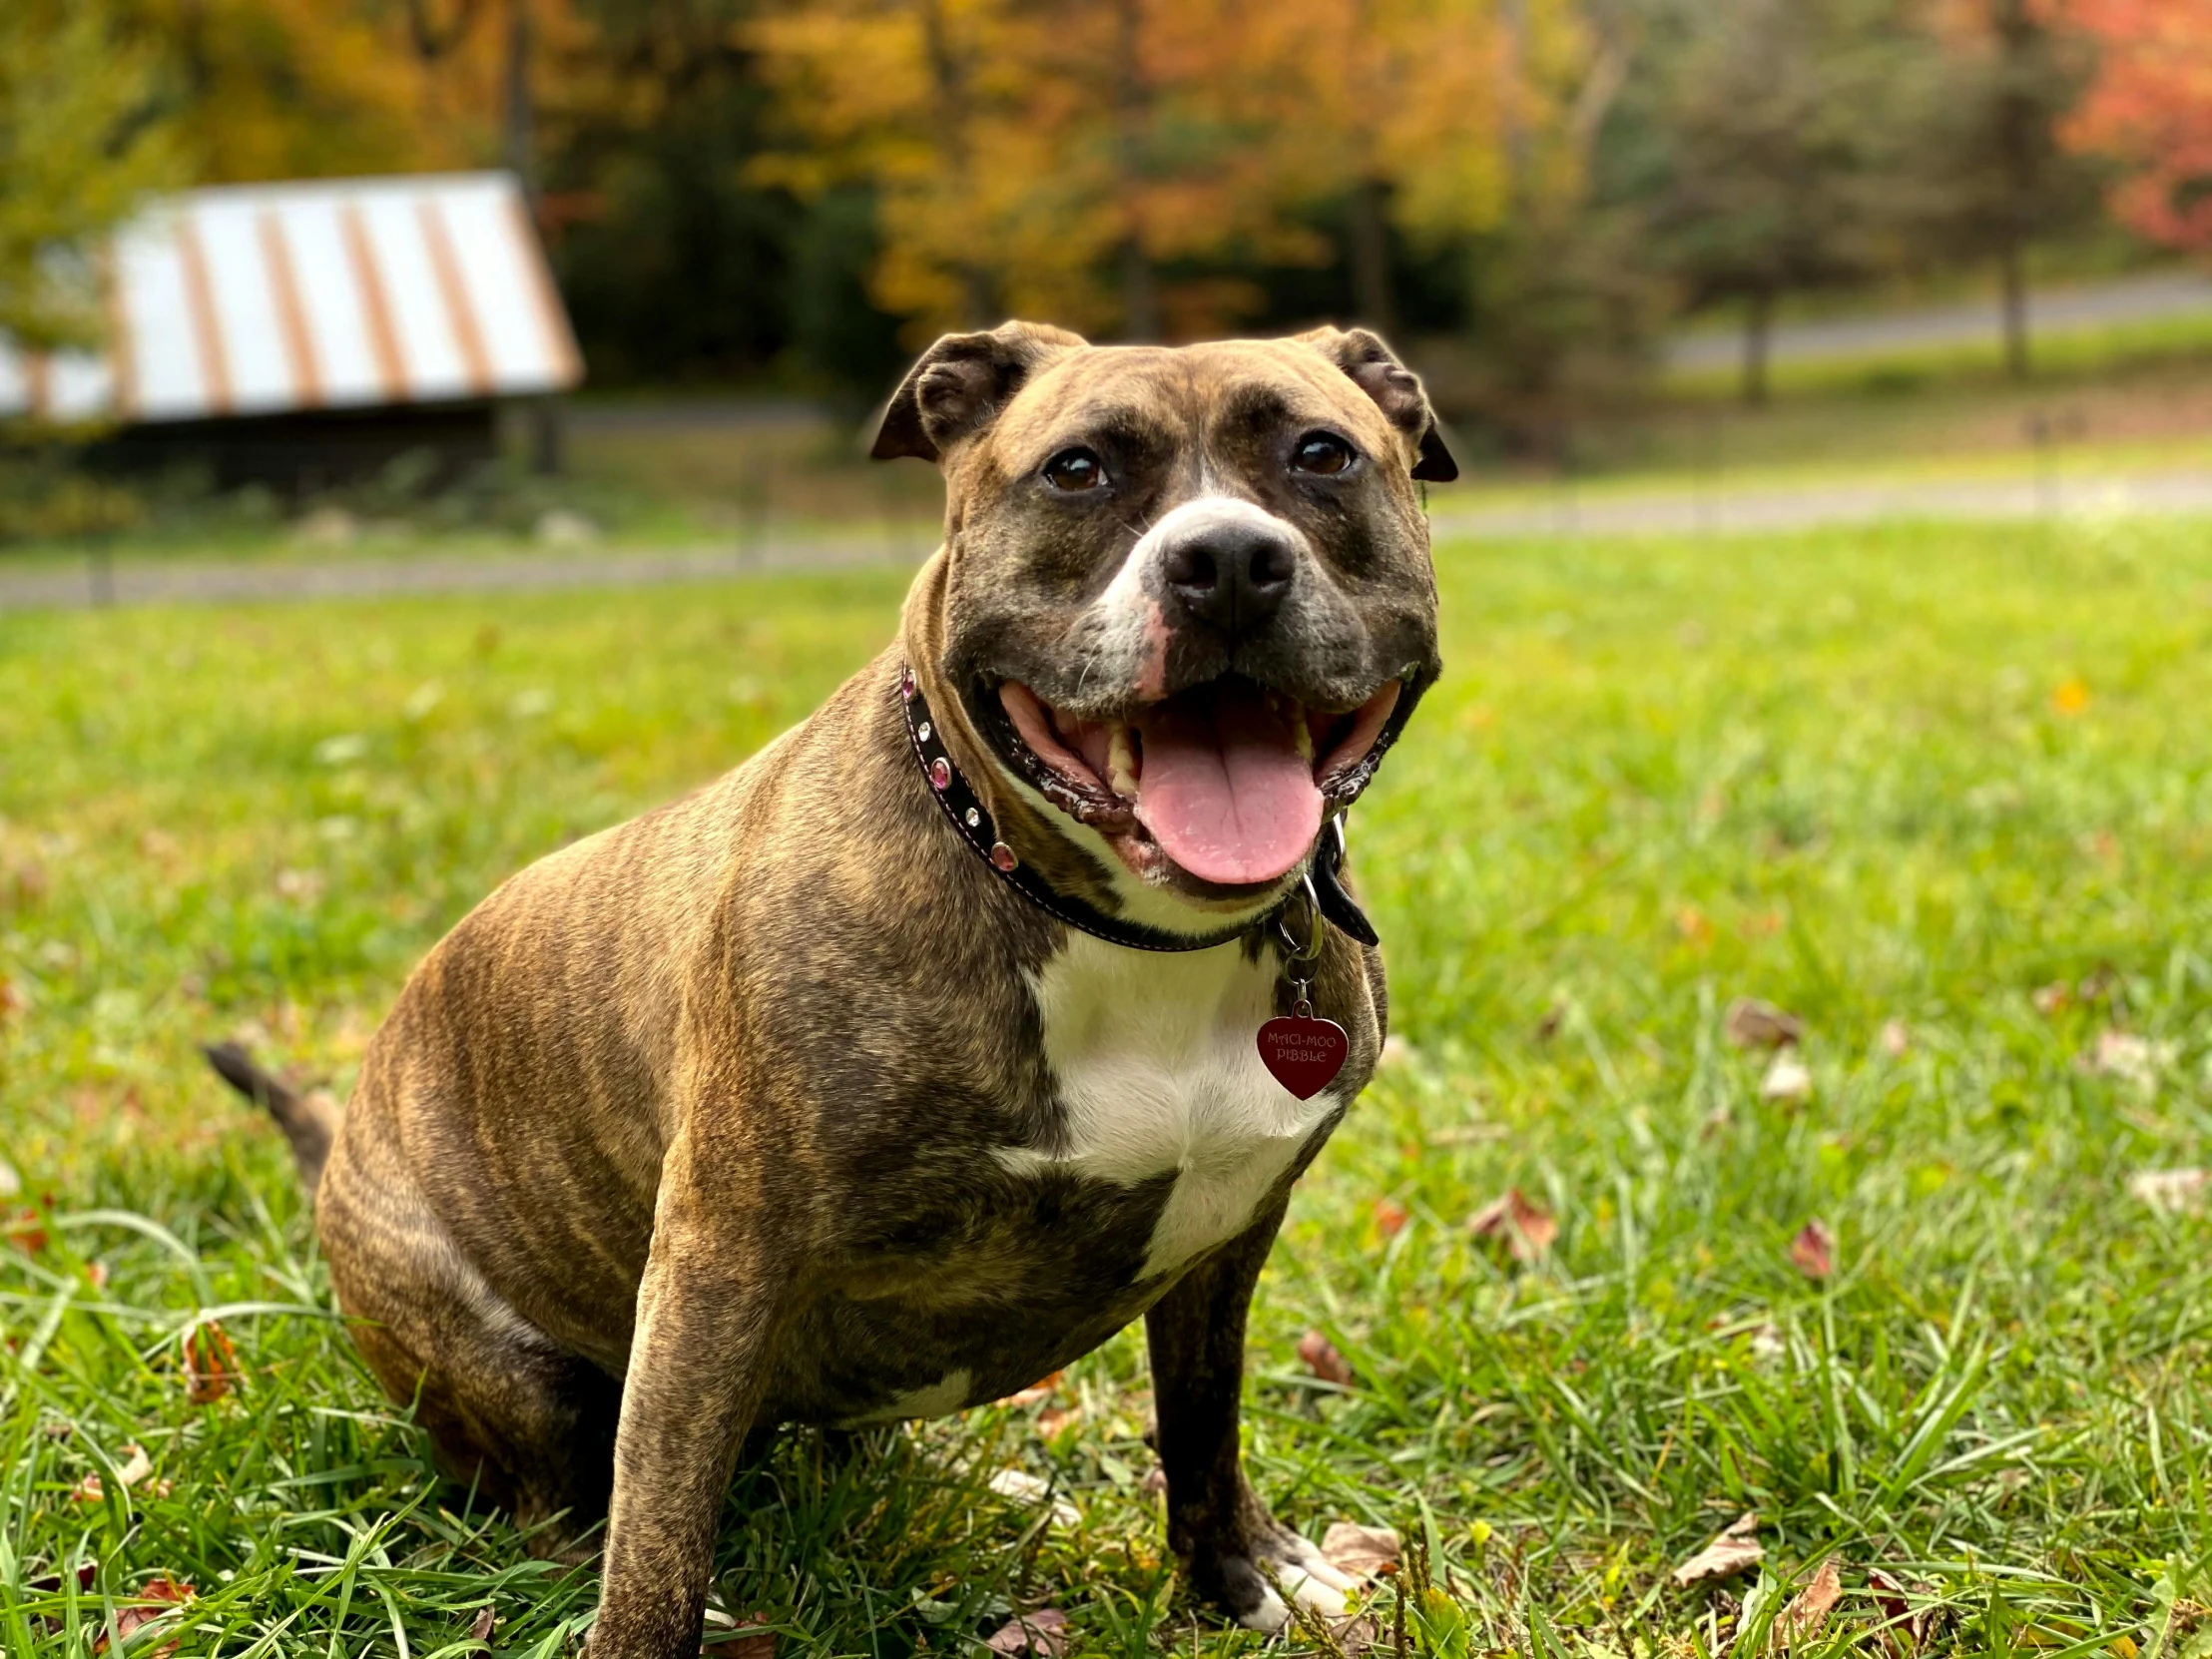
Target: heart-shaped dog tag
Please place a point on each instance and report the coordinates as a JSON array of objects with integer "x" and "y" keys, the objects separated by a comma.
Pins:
[{"x": 1304, "y": 1054}]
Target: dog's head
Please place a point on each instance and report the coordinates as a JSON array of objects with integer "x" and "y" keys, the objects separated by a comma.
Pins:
[{"x": 1188, "y": 596}]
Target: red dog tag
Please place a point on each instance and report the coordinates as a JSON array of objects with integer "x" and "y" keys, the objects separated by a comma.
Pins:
[{"x": 1304, "y": 1054}]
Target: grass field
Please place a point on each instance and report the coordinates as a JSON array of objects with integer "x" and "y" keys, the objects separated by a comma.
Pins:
[{"x": 1961, "y": 781}]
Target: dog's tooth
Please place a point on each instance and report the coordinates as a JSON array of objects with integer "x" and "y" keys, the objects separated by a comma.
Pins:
[
  {"x": 1301, "y": 732},
  {"x": 1121, "y": 761}
]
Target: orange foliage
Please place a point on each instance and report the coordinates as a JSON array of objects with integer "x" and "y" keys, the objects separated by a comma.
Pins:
[
  {"x": 2149, "y": 108},
  {"x": 1039, "y": 160}
]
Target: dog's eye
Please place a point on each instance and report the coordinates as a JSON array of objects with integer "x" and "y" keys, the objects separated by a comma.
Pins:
[
  {"x": 1321, "y": 452},
  {"x": 1075, "y": 469}
]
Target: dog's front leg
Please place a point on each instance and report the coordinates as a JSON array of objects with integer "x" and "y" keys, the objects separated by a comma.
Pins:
[
  {"x": 1238, "y": 1556},
  {"x": 708, "y": 1311}
]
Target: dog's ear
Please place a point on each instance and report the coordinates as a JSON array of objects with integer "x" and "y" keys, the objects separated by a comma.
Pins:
[
  {"x": 1397, "y": 391},
  {"x": 959, "y": 386}
]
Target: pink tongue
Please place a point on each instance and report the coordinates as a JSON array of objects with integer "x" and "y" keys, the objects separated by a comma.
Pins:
[{"x": 1224, "y": 789}]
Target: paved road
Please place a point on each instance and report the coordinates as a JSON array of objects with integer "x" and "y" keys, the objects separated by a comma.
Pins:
[
  {"x": 2147, "y": 299},
  {"x": 1724, "y": 512}
]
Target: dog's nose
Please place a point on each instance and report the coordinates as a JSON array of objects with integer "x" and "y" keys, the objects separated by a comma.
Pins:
[{"x": 1231, "y": 575}]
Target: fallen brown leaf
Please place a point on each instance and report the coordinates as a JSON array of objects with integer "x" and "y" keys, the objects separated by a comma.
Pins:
[
  {"x": 151, "y": 1601},
  {"x": 1155, "y": 1482},
  {"x": 480, "y": 1628},
  {"x": 211, "y": 1363},
  {"x": 1054, "y": 1421},
  {"x": 1907, "y": 1628},
  {"x": 1041, "y": 1390},
  {"x": 1735, "y": 1548},
  {"x": 1814, "y": 1249},
  {"x": 1752, "y": 1022},
  {"x": 2051, "y": 999},
  {"x": 1525, "y": 1225},
  {"x": 1322, "y": 1360},
  {"x": 1808, "y": 1611},
  {"x": 1896, "y": 1039},
  {"x": 1042, "y": 1633},
  {"x": 26, "y": 1230},
  {"x": 136, "y": 1468},
  {"x": 1389, "y": 1218},
  {"x": 1362, "y": 1551},
  {"x": 1554, "y": 1017},
  {"x": 2172, "y": 1191}
]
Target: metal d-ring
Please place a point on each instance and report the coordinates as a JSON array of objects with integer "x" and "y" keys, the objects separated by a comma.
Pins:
[{"x": 1296, "y": 953}]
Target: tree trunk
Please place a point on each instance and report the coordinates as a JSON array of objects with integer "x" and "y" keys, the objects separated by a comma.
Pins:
[
  {"x": 2012, "y": 275},
  {"x": 1758, "y": 328},
  {"x": 2017, "y": 151},
  {"x": 1139, "y": 291},
  {"x": 1371, "y": 297}
]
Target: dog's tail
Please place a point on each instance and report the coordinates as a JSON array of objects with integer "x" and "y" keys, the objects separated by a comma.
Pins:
[{"x": 309, "y": 1121}]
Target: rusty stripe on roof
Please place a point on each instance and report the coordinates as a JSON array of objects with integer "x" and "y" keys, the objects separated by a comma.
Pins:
[
  {"x": 120, "y": 356},
  {"x": 467, "y": 333},
  {"x": 560, "y": 345},
  {"x": 384, "y": 338},
  {"x": 207, "y": 328},
  {"x": 38, "y": 382},
  {"x": 291, "y": 316}
]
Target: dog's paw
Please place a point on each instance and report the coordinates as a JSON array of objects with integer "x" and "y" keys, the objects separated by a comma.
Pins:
[{"x": 1284, "y": 1564}]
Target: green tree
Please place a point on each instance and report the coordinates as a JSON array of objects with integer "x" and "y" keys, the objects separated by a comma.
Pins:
[
  {"x": 1774, "y": 159},
  {"x": 78, "y": 151}
]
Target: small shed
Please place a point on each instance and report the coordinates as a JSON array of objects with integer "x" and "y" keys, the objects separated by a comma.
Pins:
[{"x": 309, "y": 333}]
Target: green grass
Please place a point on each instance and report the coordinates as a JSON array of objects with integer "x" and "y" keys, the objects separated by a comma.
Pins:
[{"x": 1911, "y": 774}]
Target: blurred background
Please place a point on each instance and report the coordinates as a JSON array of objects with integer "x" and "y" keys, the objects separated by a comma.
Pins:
[{"x": 1713, "y": 243}]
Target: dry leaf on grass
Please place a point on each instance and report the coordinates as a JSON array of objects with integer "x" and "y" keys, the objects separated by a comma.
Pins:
[
  {"x": 1054, "y": 1421},
  {"x": 2172, "y": 1191},
  {"x": 1389, "y": 1218},
  {"x": 1814, "y": 1249},
  {"x": 1786, "y": 1078},
  {"x": 480, "y": 1628},
  {"x": 2132, "y": 1059},
  {"x": 1907, "y": 1628},
  {"x": 1752, "y": 1022},
  {"x": 1362, "y": 1551},
  {"x": 1042, "y": 1634},
  {"x": 136, "y": 1468},
  {"x": 211, "y": 1363},
  {"x": 1808, "y": 1611},
  {"x": 1043, "y": 1389},
  {"x": 26, "y": 1230},
  {"x": 151, "y": 1601},
  {"x": 1896, "y": 1039},
  {"x": 10, "y": 1182},
  {"x": 1527, "y": 1227},
  {"x": 1735, "y": 1548},
  {"x": 1322, "y": 1360},
  {"x": 1155, "y": 1482},
  {"x": 1023, "y": 1487}
]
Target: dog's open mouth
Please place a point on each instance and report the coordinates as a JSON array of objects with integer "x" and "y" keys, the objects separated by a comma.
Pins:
[{"x": 1225, "y": 779}]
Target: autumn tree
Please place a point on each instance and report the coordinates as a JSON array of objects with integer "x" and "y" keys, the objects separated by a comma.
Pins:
[
  {"x": 80, "y": 147},
  {"x": 2148, "y": 110}
]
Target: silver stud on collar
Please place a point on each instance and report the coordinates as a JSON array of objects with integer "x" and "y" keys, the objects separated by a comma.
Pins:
[
  {"x": 975, "y": 818},
  {"x": 922, "y": 731}
]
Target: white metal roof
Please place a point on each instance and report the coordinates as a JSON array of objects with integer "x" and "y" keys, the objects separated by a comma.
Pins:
[{"x": 328, "y": 294}]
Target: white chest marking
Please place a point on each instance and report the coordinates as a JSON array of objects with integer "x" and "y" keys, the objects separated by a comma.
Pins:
[{"x": 1158, "y": 1067}]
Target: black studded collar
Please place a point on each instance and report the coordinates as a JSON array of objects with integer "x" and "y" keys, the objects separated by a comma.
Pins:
[{"x": 973, "y": 820}]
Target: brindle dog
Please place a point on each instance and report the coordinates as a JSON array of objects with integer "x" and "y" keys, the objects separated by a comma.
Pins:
[{"x": 780, "y": 1105}]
